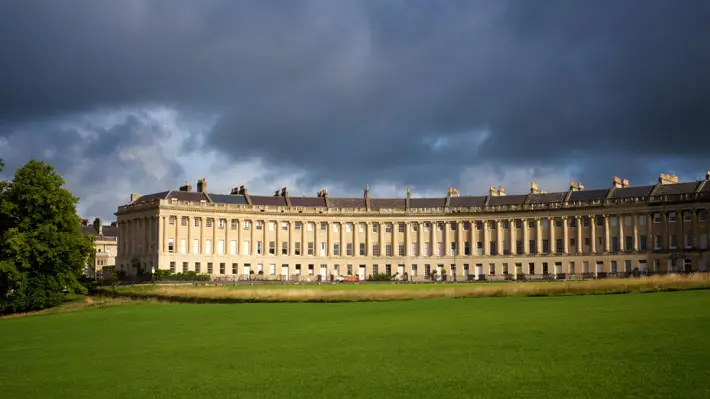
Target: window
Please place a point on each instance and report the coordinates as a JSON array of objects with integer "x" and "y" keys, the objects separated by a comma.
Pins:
[
  {"x": 322, "y": 249},
  {"x": 453, "y": 226},
  {"x": 545, "y": 269},
  {"x": 336, "y": 249},
  {"x": 388, "y": 270},
  {"x": 309, "y": 226},
  {"x": 702, "y": 215},
  {"x": 642, "y": 220},
  {"x": 531, "y": 247},
  {"x": 671, "y": 217},
  {"x": 298, "y": 226},
  {"x": 336, "y": 227},
  {"x": 518, "y": 223},
  {"x": 559, "y": 245},
  {"x": 234, "y": 268},
  {"x": 505, "y": 268},
  {"x": 427, "y": 227},
  {"x": 284, "y": 247},
  {"x": 452, "y": 249},
  {"x": 493, "y": 248},
  {"x": 336, "y": 269},
  {"x": 585, "y": 221},
  {"x": 571, "y": 268},
  {"x": 362, "y": 249},
  {"x": 492, "y": 224},
  {"x": 415, "y": 249},
  {"x": 272, "y": 226},
  {"x": 222, "y": 223},
  {"x": 196, "y": 222},
  {"x": 171, "y": 245},
  {"x": 323, "y": 226},
  {"x": 440, "y": 249},
  {"x": 183, "y": 221},
  {"x": 688, "y": 241},
  {"x": 222, "y": 268},
  {"x": 643, "y": 246},
  {"x": 519, "y": 247},
  {"x": 401, "y": 250},
  {"x": 171, "y": 220},
  {"x": 220, "y": 247},
  {"x": 375, "y": 269},
  {"x": 184, "y": 267},
  {"x": 492, "y": 269},
  {"x": 545, "y": 223},
  {"x": 209, "y": 267},
  {"x": 272, "y": 269},
  {"x": 427, "y": 249},
  {"x": 348, "y": 227},
  {"x": 297, "y": 248},
  {"x": 362, "y": 227},
  {"x": 440, "y": 226},
  {"x": 572, "y": 222},
  {"x": 558, "y": 222},
  {"x": 628, "y": 243},
  {"x": 388, "y": 249},
  {"x": 657, "y": 242},
  {"x": 467, "y": 226},
  {"x": 531, "y": 268},
  {"x": 505, "y": 224},
  {"x": 246, "y": 225},
  {"x": 388, "y": 227},
  {"x": 375, "y": 227},
  {"x": 233, "y": 225},
  {"x": 614, "y": 221},
  {"x": 656, "y": 217},
  {"x": 349, "y": 270},
  {"x": 545, "y": 246},
  {"x": 414, "y": 270},
  {"x": 284, "y": 227},
  {"x": 245, "y": 247},
  {"x": 467, "y": 248},
  {"x": 627, "y": 266},
  {"x": 375, "y": 250},
  {"x": 349, "y": 249},
  {"x": 401, "y": 227},
  {"x": 427, "y": 271},
  {"x": 600, "y": 221},
  {"x": 415, "y": 227},
  {"x": 310, "y": 248},
  {"x": 172, "y": 267},
  {"x": 614, "y": 267},
  {"x": 614, "y": 244},
  {"x": 272, "y": 247},
  {"x": 259, "y": 248},
  {"x": 183, "y": 245},
  {"x": 673, "y": 241},
  {"x": 209, "y": 222},
  {"x": 198, "y": 268}
]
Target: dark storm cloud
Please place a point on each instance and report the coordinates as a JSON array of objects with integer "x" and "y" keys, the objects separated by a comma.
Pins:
[{"x": 358, "y": 91}]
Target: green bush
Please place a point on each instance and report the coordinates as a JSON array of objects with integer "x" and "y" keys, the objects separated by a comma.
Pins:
[{"x": 380, "y": 277}]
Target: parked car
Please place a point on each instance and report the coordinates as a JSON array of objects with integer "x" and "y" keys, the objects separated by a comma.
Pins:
[{"x": 347, "y": 279}]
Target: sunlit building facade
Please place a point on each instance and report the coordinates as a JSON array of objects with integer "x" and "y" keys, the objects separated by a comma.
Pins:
[{"x": 580, "y": 233}]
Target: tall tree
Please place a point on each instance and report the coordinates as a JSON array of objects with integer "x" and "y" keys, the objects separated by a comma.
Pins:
[{"x": 42, "y": 249}]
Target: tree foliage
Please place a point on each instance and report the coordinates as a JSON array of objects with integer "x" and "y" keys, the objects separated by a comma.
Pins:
[{"x": 42, "y": 249}]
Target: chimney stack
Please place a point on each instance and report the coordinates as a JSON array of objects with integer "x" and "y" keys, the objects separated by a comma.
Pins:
[
  {"x": 617, "y": 182},
  {"x": 707, "y": 175},
  {"x": 84, "y": 222},
  {"x": 187, "y": 187},
  {"x": 667, "y": 178},
  {"x": 501, "y": 191},
  {"x": 492, "y": 191},
  {"x": 323, "y": 193},
  {"x": 202, "y": 185},
  {"x": 284, "y": 192},
  {"x": 98, "y": 226},
  {"x": 134, "y": 197}
]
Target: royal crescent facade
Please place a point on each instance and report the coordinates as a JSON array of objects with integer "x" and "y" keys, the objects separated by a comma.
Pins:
[{"x": 580, "y": 233}]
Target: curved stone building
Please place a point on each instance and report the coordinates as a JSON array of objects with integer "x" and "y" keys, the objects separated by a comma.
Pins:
[{"x": 601, "y": 232}]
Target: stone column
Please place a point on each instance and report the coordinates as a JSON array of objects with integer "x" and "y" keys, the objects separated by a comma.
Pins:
[
  {"x": 696, "y": 232},
  {"x": 607, "y": 234},
  {"x": 445, "y": 238},
  {"x": 499, "y": 237},
  {"x": 526, "y": 236},
  {"x": 420, "y": 233},
  {"x": 395, "y": 241},
  {"x": 538, "y": 235},
  {"x": 356, "y": 239},
  {"x": 565, "y": 235},
  {"x": 381, "y": 239},
  {"x": 553, "y": 239},
  {"x": 621, "y": 219},
  {"x": 651, "y": 233},
  {"x": 368, "y": 238},
  {"x": 513, "y": 239},
  {"x": 304, "y": 244},
  {"x": 343, "y": 245},
  {"x": 252, "y": 238},
  {"x": 486, "y": 238},
  {"x": 635, "y": 239},
  {"x": 593, "y": 234},
  {"x": 580, "y": 239},
  {"x": 407, "y": 239},
  {"x": 459, "y": 238}
]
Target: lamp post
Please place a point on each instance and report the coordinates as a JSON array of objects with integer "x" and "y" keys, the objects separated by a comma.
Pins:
[{"x": 152, "y": 274}]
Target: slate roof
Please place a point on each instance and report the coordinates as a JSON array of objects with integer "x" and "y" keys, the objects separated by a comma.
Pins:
[
  {"x": 467, "y": 201},
  {"x": 229, "y": 199},
  {"x": 589, "y": 195},
  {"x": 676, "y": 189},
  {"x": 108, "y": 230},
  {"x": 347, "y": 202},
  {"x": 316, "y": 202},
  {"x": 427, "y": 202},
  {"x": 268, "y": 200},
  {"x": 632, "y": 192},
  {"x": 388, "y": 203},
  {"x": 507, "y": 200},
  {"x": 187, "y": 196},
  {"x": 547, "y": 198},
  {"x": 151, "y": 197}
]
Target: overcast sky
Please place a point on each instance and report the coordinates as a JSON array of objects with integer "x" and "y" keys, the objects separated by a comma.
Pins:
[{"x": 140, "y": 96}]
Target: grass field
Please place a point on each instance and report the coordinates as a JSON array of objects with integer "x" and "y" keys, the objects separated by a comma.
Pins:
[
  {"x": 633, "y": 346},
  {"x": 386, "y": 292}
]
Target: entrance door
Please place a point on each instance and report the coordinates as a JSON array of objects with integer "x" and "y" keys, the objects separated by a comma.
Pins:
[
  {"x": 642, "y": 266},
  {"x": 323, "y": 272},
  {"x": 284, "y": 272},
  {"x": 479, "y": 272},
  {"x": 400, "y": 272},
  {"x": 361, "y": 272},
  {"x": 247, "y": 271}
]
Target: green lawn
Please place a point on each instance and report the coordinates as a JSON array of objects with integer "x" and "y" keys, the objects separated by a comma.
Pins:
[{"x": 609, "y": 346}]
